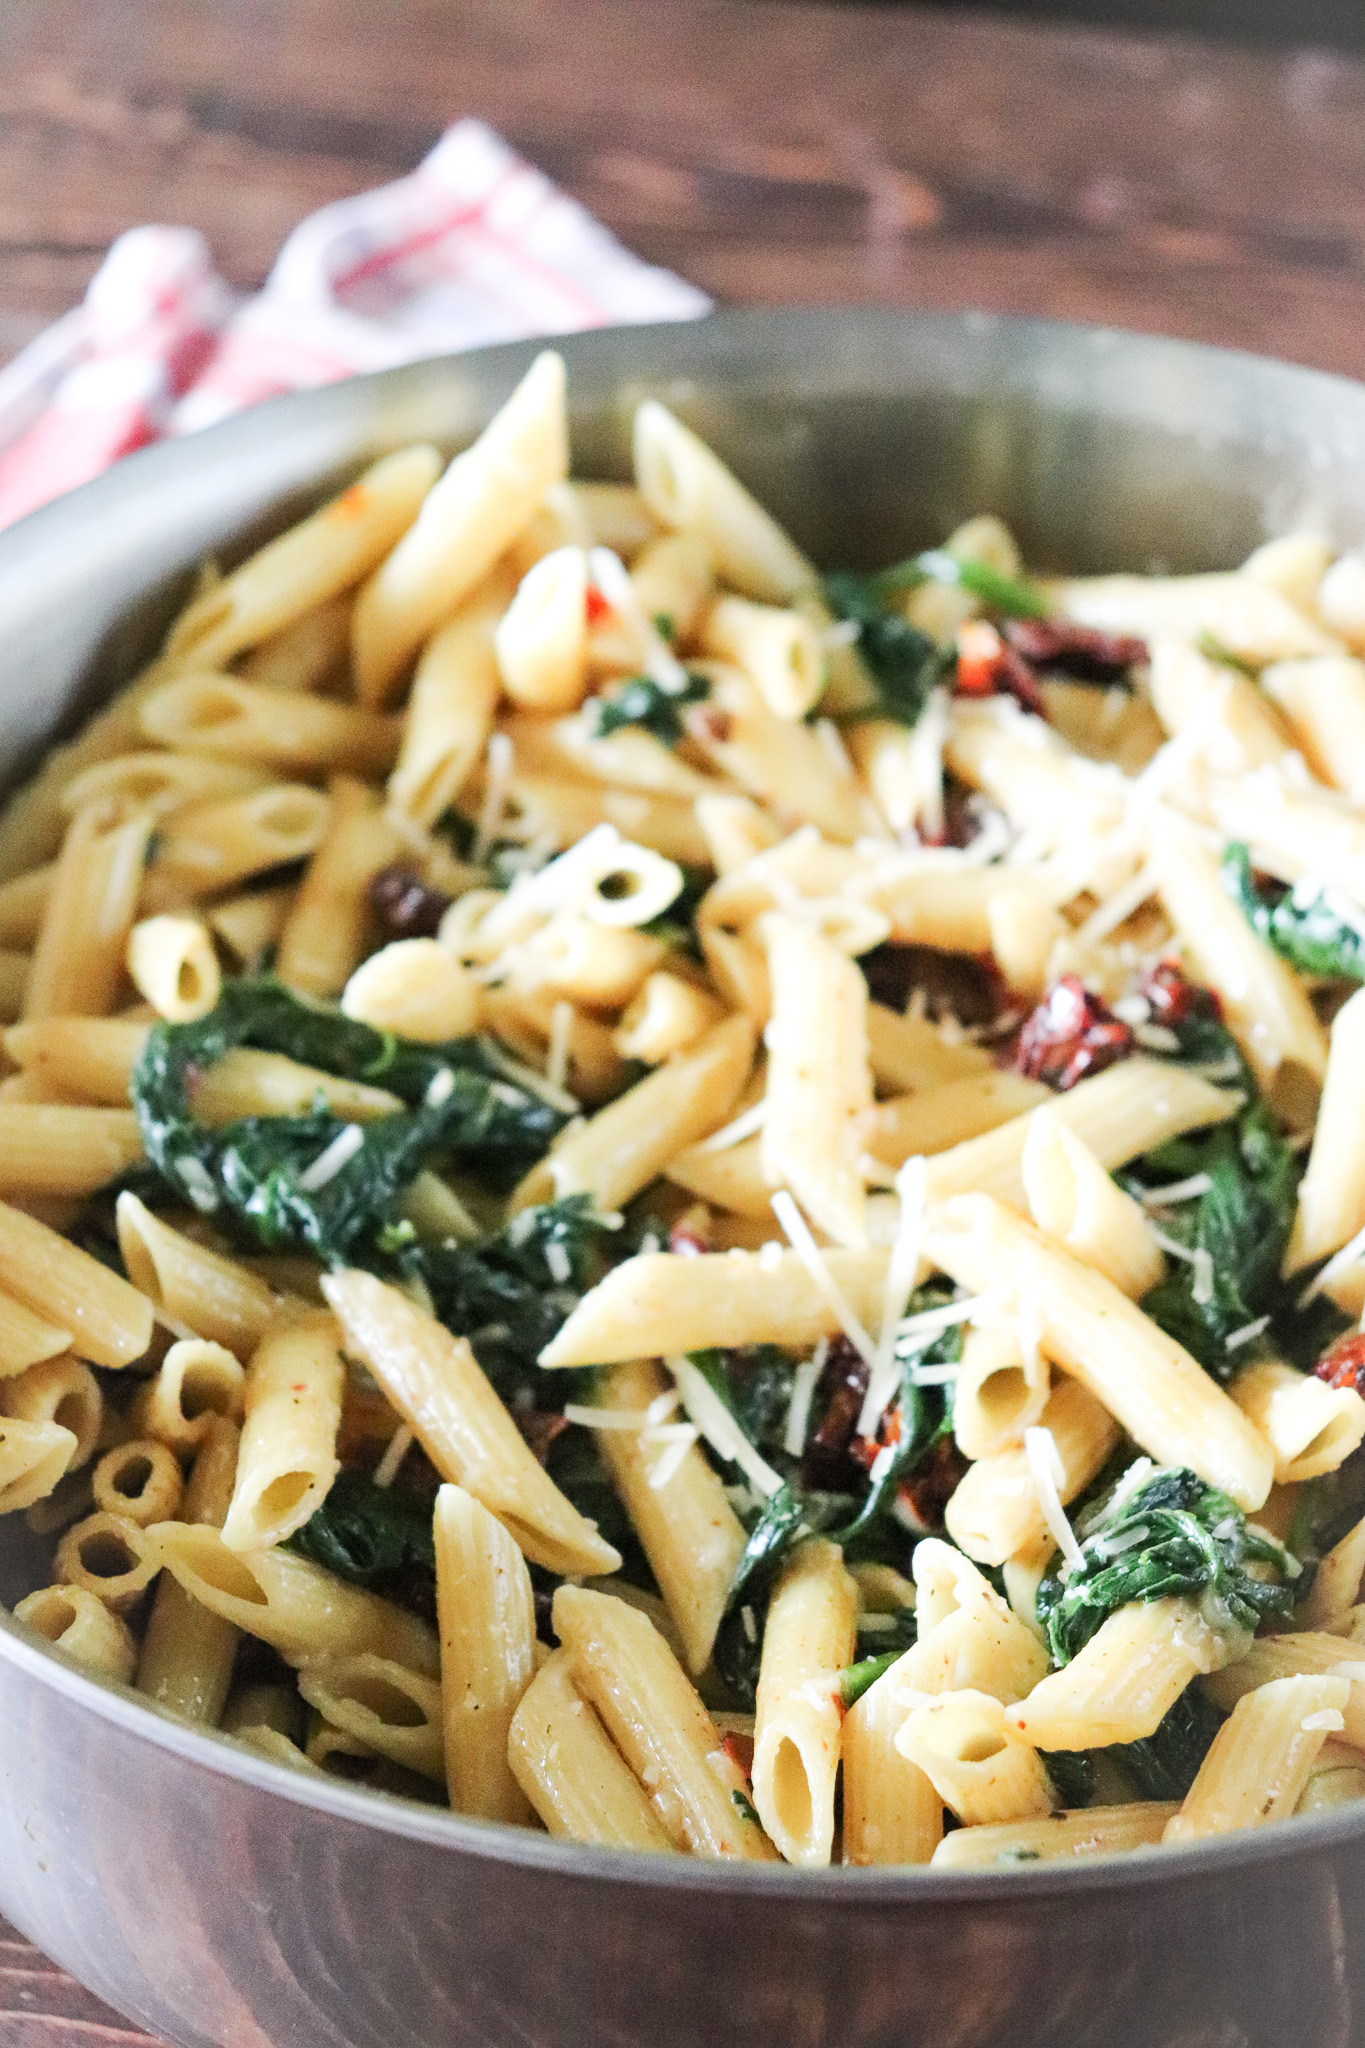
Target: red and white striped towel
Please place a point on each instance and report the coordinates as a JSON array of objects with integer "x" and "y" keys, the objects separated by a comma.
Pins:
[{"x": 476, "y": 246}]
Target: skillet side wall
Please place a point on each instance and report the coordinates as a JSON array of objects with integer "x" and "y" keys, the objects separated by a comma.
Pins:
[{"x": 225, "y": 1916}]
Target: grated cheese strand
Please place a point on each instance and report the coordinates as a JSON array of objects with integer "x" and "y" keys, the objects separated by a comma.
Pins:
[
  {"x": 1341, "y": 1262},
  {"x": 675, "y": 1453},
  {"x": 804, "y": 1382},
  {"x": 501, "y": 761},
  {"x": 1176, "y": 1191},
  {"x": 747, "y": 1125},
  {"x": 813, "y": 1259},
  {"x": 1049, "y": 1475},
  {"x": 711, "y": 1416},
  {"x": 1235, "y": 1339},
  {"x": 901, "y": 1269},
  {"x": 330, "y": 1162},
  {"x": 399, "y": 1444},
  {"x": 612, "y": 579}
]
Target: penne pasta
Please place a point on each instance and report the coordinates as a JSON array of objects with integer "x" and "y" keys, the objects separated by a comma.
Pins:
[
  {"x": 572, "y": 1773},
  {"x": 292, "y": 1410},
  {"x": 487, "y": 1620},
  {"x": 819, "y": 1088},
  {"x": 808, "y": 1637}
]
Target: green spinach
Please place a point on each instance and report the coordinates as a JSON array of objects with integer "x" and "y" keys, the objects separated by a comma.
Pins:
[
  {"x": 1165, "y": 1764},
  {"x": 1173, "y": 1534},
  {"x": 367, "y": 1534},
  {"x": 315, "y": 1181},
  {"x": 1324, "y": 934},
  {"x": 642, "y": 701}
]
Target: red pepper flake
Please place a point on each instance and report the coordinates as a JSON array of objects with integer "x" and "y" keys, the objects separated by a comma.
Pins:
[
  {"x": 597, "y": 607},
  {"x": 351, "y": 504},
  {"x": 987, "y": 666},
  {"x": 740, "y": 1750},
  {"x": 1071, "y": 1034},
  {"x": 1343, "y": 1365},
  {"x": 1081, "y": 651}
]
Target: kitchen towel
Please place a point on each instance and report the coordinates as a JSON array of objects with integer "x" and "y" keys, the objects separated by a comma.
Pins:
[{"x": 476, "y": 246}]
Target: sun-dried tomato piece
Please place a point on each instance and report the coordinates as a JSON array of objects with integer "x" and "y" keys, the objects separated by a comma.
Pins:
[
  {"x": 1069, "y": 1035},
  {"x": 1081, "y": 651},
  {"x": 839, "y": 1393},
  {"x": 1174, "y": 999},
  {"x": 407, "y": 907},
  {"x": 988, "y": 666},
  {"x": 1343, "y": 1365},
  {"x": 740, "y": 1750},
  {"x": 957, "y": 985},
  {"x": 928, "y": 1490},
  {"x": 597, "y": 606}
]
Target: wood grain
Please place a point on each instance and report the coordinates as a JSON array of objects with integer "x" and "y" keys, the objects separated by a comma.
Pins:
[{"x": 769, "y": 152}]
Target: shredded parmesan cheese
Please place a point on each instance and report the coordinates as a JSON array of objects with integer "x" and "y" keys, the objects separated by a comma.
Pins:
[
  {"x": 1049, "y": 1476},
  {"x": 612, "y": 579},
  {"x": 559, "y": 1263},
  {"x": 1329, "y": 1718},
  {"x": 1350, "y": 1255},
  {"x": 747, "y": 1125},
  {"x": 813, "y": 1259},
  {"x": 901, "y": 1269},
  {"x": 711, "y": 1416},
  {"x": 1176, "y": 1191},
  {"x": 399, "y": 1444},
  {"x": 804, "y": 1382},
  {"x": 1235, "y": 1339},
  {"x": 501, "y": 761},
  {"x": 675, "y": 1451},
  {"x": 329, "y": 1163}
]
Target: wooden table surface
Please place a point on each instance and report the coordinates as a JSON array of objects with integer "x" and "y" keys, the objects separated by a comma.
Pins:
[{"x": 769, "y": 152}]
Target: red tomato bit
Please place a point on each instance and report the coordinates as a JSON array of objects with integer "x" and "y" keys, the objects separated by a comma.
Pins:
[
  {"x": 987, "y": 666},
  {"x": 1344, "y": 1363},
  {"x": 1069, "y": 1035}
]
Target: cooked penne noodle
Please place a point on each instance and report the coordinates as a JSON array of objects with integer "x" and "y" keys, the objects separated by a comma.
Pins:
[
  {"x": 1308, "y": 1653},
  {"x": 1336, "y": 1584},
  {"x": 687, "y": 1528},
  {"x": 1311, "y": 1428},
  {"x": 686, "y": 485},
  {"x": 450, "y": 711},
  {"x": 196, "y": 1382},
  {"x": 998, "y": 1393},
  {"x": 308, "y": 565},
  {"x": 891, "y": 1811},
  {"x": 624, "y": 1668},
  {"x": 435, "y": 1383},
  {"x": 730, "y": 1176},
  {"x": 778, "y": 650},
  {"x": 673, "y": 578},
  {"x": 292, "y": 1406},
  {"x": 808, "y": 1637},
  {"x": 910, "y": 1053},
  {"x": 1148, "y": 1382},
  {"x": 393, "y": 1711},
  {"x": 469, "y": 516},
  {"x": 1252, "y": 620},
  {"x": 626, "y": 1146},
  {"x": 110, "y": 1322},
  {"x": 65, "y": 1391},
  {"x": 1267, "y": 1006},
  {"x": 1094, "y": 1831},
  {"x": 1331, "y": 1205},
  {"x": 139, "y": 1480},
  {"x": 26, "y": 1339},
  {"x": 132, "y": 785},
  {"x": 216, "y": 714},
  {"x": 14, "y": 973},
  {"x": 486, "y": 1613},
  {"x": 188, "y": 1651},
  {"x": 75, "y": 1621},
  {"x": 565, "y": 810},
  {"x": 968, "y": 1639},
  {"x": 668, "y": 1015},
  {"x": 1337, "y": 1778},
  {"x": 935, "y": 1119},
  {"x": 106, "y": 1554},
  {"x": 781, "y": 763},
  {"x": 253, "y": 925},
  {"x": 23, "y": 902},
  {"x": 657, "y": 1303},
  {"x": 214, "y": 1297},
  {"x": 1323, "y": 702},
  {"x": 542, "y": 638},
  {"x": 246, "y": 1082},
  {"x": 1237, "y": 728},
  {"x": 1120, "y": 1685},
  {"x": 995, "y": 1512},
  {"x": 212, "y": 847},
  {"x": 1072, "y": 1198},
  {"x": 79, "y": 952},
  {"x": 572, "y": 1773},
  {"x": 172, "y": 963},
  {"x": 1259, "y": 1763},
  {"x": 296, "y": 1607},
  {"x": 324, "y": 932},
  {"x": 819, "y": 1088},
  {"x": 414, "y": 987},
  {"x": 1131, "y": 1108},
  {"x": 975, "y": 1759},
  {"x": 64, "y": 1148}
]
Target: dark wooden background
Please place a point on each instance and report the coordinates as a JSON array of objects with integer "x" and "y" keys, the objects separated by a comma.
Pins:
[{"x": 769, "y": 152}]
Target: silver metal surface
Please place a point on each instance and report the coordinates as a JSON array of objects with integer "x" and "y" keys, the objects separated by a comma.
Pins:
[{"x": 226, "y": 1903}]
